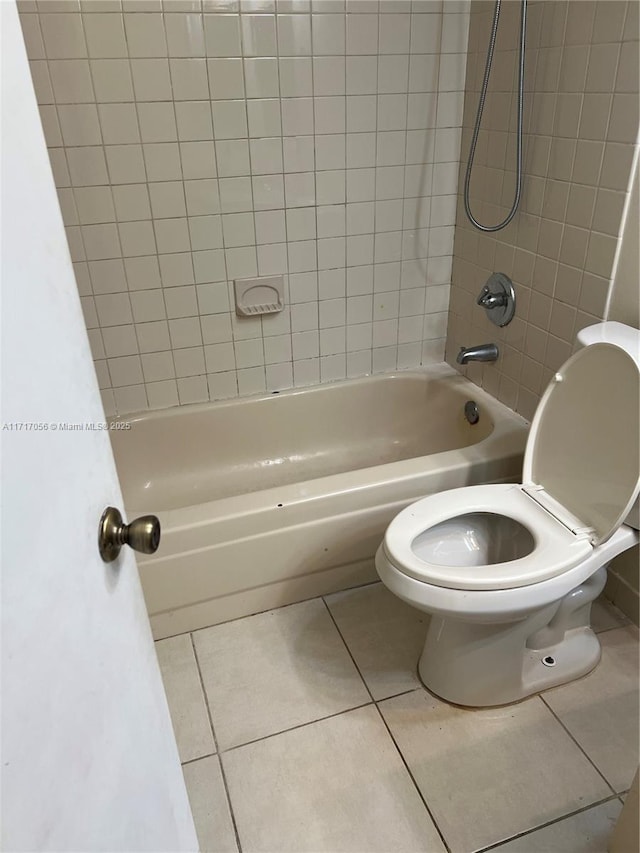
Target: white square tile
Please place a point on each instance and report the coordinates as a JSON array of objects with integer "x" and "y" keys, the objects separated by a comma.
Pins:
[
  {"x": 157, "y": 366},
  {"x": 162, "y": 395},
  {"x": 394, "y": 34},
  {"x": 296, "y": 80},
  {"x": 185, "y": 332},
  {"x": 329, "y": 77},
  {"x": 301, "y": 224},
  {"x": 362, "y": 34},
  {"x": 176, "y": 270},
  {"x": 71, "y": 81},
  {"x": 533, "y": 769},
  {"x": 235, "y": 194},
  {"x": 137, "y": 238},
  {"x": 280, "y": 696},
  {"x": 330, "y": 115},
  {"x": 274, "y": 786},
  {"x": 145, "y": 34},
  {"x": 143, "y": 273},
  {"x": 328, "y": 34},
  {"x": 393, "y": 74},
  {"x": 223, "y": 385},
  {"x": 268, "y": 192},
  {"x": 226, "y": 81},
  {"x": 266, "y": 155},
  {"x": 189, "y": 79},
  {"x": 202, "y": 197},
  {"x": 63, "y": 36},
  {"x": 216, "y": 328},
  {"x": 151, "y": 79},
  {"x": 189, "y": 361},
  {"x": 294, "y": 35},
  {"x": 601, "y": 710},
  {"x": 270, "y": 226},
  {"x": 172, "y": 235},
  {"x": 238, "y": 229},
  {"x": 209, "y": 266},
  {"x": 185, "y": 34},
  {"x": 264, "y": 117},
  {"x": 232, "y": 158},
  {"x": 261, "y": 77},
  {"x": 192, "y": 389},
  {"x": 297, "y": 116},
  {"x": 208, "y": 801},
  {"x": 229, "y": 119},
  {"x": 222, "y": 35},
  {"x": 251, "y": 380},
  {"x": 157, "y": 122},
  {"x": 299, "y": 190},
  {"x": 362, "y": 75},
  {"x": 198, "y": 159},
  {"x": 259, "y": 35},
  {"x": 361, "y": 113}
]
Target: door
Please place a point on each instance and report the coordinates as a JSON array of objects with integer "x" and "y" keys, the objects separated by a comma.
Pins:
[{"x": 89, "y": 761}]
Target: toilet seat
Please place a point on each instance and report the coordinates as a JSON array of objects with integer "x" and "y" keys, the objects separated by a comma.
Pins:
[
  {"x": 579, "y": 486},
  {"x": 555, "y": 550}
]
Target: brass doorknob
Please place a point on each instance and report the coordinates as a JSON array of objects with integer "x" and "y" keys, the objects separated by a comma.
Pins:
[{"x": 143, "y": 534}]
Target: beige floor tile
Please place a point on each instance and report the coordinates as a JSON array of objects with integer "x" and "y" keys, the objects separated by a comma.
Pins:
[
  {"x": 490, "y": 774},
  {"x": 587, "y": 832},
  {"x": 335, "y": 785},
  {"x": 605, "y": 615},
  {"x": 601, "y": 710},
  {"x": 384, "y": 635},
  {"x": 209, "y": 806},
  {"x": 270, "y": 672},
  {"x": 185, "y": 697}
]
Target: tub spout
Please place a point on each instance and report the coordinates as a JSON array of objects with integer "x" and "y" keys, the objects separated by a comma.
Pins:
[{"x": 482, "y": 352}]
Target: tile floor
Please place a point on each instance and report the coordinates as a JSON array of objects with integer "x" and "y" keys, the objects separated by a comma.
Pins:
[{"x": 306, "y": 729}]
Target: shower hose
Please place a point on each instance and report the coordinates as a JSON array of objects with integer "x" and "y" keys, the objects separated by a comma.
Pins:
[{"x": 476, "y": 130}]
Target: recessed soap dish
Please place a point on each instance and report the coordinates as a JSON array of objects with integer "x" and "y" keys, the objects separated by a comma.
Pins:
[{"x": 255, "y": 296}]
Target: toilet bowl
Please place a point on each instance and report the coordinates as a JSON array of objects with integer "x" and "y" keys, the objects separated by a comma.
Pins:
[{"x": 508, "y": 571}]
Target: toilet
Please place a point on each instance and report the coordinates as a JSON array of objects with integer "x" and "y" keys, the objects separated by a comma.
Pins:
[{"x": 508, "y": 572}]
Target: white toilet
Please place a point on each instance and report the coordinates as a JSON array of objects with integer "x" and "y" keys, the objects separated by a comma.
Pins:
[{"x": 509, "y": 572}]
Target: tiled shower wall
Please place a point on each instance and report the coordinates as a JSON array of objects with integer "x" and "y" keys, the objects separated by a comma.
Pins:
[
  {"x": 194, "y": 142},
  {"x": 581, "y": 123}
]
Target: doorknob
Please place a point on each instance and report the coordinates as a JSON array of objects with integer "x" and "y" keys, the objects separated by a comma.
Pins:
[{"x": 143, "y": 534}]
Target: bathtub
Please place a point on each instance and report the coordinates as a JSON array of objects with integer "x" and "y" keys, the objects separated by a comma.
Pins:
[{"x": 269, "y": 500}]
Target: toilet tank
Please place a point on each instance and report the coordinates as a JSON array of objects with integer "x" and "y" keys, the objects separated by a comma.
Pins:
[{"x": 629, "y": 339}]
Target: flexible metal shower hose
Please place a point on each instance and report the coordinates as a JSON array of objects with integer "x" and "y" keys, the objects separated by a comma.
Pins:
[{"x": 476, "y": 130}]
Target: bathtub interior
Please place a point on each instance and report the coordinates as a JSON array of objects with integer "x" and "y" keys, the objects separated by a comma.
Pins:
[{"x": 193, "y": 455}]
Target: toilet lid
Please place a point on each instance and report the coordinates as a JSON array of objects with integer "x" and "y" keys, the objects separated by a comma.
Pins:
[{"x": 583, "y": 447}]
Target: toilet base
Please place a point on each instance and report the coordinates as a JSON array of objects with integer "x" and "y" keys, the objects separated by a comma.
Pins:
[
  {"x": 541, "y": 669},
  {"x": 479, "y": 665}
]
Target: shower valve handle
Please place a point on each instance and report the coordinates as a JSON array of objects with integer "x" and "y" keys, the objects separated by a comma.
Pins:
[{"x": 491, "y": 300}]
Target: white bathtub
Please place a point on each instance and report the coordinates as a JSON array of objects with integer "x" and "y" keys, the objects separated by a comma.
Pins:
[{"x": 269, "y": 500}]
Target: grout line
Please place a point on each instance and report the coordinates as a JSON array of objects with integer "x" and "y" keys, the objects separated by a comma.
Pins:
[
  {"x": 413, "y": 779},
  {"x": 593, "y": 764},
  {"x": 384, "y": 722},
  {"x": 215, "y": 741},
  {"x": 199, "y": 758},
  {"x": 328, "y": 609},
  {"x": 295, "y": 728},
  {"x": 548, "y": 823}
]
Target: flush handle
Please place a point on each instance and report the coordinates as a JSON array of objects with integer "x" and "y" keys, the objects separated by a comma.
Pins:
[{"x": 143, "y": 534}]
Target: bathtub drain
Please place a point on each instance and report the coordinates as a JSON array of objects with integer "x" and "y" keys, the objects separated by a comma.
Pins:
[
  {"x": 549, "y": 660},
  {"x": 471, "y": 412}
]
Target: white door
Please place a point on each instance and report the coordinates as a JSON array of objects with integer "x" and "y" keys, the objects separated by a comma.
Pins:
[{"x": 89, "y": 761}]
